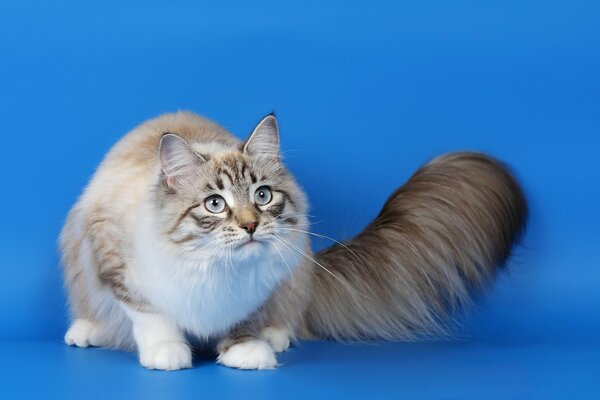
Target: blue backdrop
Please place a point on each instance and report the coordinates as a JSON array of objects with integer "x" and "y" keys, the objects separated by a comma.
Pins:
[{"x": 365, "y": 93}]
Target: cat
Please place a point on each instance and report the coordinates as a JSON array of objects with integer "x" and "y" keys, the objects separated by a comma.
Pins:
[{"x": 186, "y": 233}]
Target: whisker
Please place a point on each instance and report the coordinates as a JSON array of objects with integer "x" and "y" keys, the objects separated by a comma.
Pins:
[
  {"x": 211, "y": 288},
  {"x": 228, "y": 254},
  {"x": 303, "y": 224},
  {"x": 232, "y": 264},
  {"x": 289, "y": 216},
  {"x": 295, "y": 214},
  {"x": 191, "y": 292},
  {"x": 329, "y": 238},
  {"x": 302, "y": 252},
  {"x": 286, "y": 263}
]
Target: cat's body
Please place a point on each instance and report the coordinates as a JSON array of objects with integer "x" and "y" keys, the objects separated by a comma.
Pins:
[{"x": 196, "y": 235}]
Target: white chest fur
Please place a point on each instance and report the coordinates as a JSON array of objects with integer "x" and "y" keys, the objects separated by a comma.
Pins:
[{"x": 207, "y": 295}]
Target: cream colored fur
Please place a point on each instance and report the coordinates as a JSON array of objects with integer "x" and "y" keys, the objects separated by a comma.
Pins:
[{"x": 149, "y": 265}]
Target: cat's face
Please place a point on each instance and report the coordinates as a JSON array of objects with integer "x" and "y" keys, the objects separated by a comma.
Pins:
[{"x": 232, "y": 203}]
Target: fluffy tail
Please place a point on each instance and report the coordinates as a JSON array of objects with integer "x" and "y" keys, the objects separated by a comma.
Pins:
[{"x": 438, "y": 240}]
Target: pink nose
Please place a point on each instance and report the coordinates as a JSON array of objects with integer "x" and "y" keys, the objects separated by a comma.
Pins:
[{"x": 249, "y": 227}]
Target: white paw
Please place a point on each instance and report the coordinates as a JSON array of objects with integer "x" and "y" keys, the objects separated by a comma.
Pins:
[
  {"x": 254, "y": 354},
  {"x": 278, "y": 338},
  {"x": 84, "y": 333},
  {"x": 167, "y": 356}
]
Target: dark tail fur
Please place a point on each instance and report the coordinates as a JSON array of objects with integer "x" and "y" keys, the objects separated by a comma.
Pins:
[{"x": 438, "y": 240}]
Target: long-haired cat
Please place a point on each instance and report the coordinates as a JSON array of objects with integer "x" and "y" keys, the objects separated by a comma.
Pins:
[{"x": 185, "y": 233}]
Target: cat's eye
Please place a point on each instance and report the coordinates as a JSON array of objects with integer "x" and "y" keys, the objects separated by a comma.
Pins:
[
  {"x": 215, "y": 204},
  {"x": 262, "y": 196}
]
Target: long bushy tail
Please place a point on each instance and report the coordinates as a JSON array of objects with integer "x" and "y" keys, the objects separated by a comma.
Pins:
[{"x": 438, "y": 240}]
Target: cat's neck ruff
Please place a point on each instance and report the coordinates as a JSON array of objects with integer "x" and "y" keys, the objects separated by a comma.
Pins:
[{"x": 208, "y": 291}]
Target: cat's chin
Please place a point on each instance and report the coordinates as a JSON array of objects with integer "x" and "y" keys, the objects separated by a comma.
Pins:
[{"x": 251, "y": 248}]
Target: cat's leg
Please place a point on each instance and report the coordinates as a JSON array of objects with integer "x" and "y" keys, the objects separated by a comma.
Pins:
[
  {"x": 282, "y": 316},
  {"x": 253, "y": 344},
  {"x": 244, "y": 350},
  {"x": 83, "y": 331},
  {"x": 277, "y": 337},
  {"x": 161, "y": 345}
]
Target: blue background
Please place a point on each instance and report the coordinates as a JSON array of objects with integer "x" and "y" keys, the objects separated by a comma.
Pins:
[{"x": 365, "y": 93}]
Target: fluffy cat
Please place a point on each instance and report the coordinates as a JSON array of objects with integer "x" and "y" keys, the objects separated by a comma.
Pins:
[{"x": 185, "y": 233}]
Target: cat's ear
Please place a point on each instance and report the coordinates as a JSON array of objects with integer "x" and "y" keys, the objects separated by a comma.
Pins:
[
  {"x": 264, "y": 140},
  {"x": 177, "y": 159}
]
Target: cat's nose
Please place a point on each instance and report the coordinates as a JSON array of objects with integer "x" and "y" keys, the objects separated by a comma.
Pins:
[{"x": 249, "y": 227}]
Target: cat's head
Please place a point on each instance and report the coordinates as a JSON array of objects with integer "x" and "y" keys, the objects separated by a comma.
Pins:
[{"x": 233, "y": 202}]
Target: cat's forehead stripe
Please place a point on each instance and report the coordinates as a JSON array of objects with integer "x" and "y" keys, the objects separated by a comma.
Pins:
[
  {"x": 224, "y": 171},
  {"x": 234, "y": 168}
]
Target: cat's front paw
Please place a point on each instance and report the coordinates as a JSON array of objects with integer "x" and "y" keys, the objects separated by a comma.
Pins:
[
  {"x": 167, "y": 356},
  {"x": 278, "y": 338},
  {"x": 253, "y": 354},
  {"x": 84, "y": 333}
]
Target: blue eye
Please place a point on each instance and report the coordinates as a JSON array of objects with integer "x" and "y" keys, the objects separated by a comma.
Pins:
[
  {"x": 215, "y": 204},
  {"x": 262, "y": 196}
]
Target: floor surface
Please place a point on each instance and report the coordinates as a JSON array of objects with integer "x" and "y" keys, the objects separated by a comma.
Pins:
[{"x": 467, "y": 370}]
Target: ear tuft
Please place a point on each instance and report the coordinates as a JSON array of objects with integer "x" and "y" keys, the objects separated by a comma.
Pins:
[
  {"x": 264, "y": 140},
  {"x": 177, "y": 159}
]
